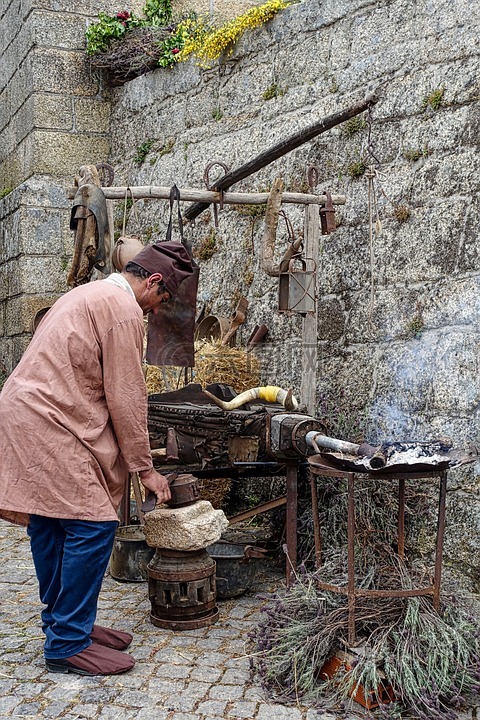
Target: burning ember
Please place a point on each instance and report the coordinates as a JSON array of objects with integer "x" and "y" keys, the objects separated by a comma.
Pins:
[{"x": 411, "y": 456}]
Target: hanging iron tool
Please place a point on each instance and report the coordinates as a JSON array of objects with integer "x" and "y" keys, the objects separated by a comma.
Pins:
[
  {"x": 89, "y": 221},
  {"x": 211, "y": 186}
]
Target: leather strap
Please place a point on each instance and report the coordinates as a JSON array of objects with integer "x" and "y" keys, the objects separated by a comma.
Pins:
[{"x": 174, "y": 197}]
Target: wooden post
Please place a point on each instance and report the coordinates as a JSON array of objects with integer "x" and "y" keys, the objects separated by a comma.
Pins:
[{"x": 308, "y": 390}]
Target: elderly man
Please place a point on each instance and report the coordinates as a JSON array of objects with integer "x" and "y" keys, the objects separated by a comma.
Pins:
[{"x": 74, "y": 424}]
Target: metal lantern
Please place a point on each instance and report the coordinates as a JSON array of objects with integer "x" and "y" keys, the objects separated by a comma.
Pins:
[{"x": 297, "y": 287}]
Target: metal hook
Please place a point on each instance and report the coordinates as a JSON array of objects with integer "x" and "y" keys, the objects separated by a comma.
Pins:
[
  {"x": 211, "y": 186},
  {"x": 312, "y": 177}
]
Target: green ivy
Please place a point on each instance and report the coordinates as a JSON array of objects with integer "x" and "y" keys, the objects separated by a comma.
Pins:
[
  {"x": 158, "y": 13},
  {"x": 170, "y": 48}
]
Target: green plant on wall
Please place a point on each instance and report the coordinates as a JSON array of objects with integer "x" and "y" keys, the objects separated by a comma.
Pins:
[
  {"x": 353, "y": 125},
  {"x": 251, "y": 211},
  {"x": 99, "y": 35},
  {"x": 357, "y": 168},
  {"x": 178, "y": 39},
  {"x": 207, "y": 247},
  {"x": 6, "y": 190},
  {"x": 158, "y": 12},
  {"x": 142, "y": 151},
  {"x": 416, "y": 325},
  {"x": 273, "y": 91},
  {"x": 414, "y": 154},
  {"x": 434, "y": 99}
]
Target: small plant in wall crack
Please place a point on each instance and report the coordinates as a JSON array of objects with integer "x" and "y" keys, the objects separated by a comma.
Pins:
[
  {"x": 414, "y": 154},
  {"x": 416, "y": 324},
  {"x": 357, "y": 168},
  {"x": 208, "y": 246},
  {"x": 401, "y": 213},
  {"x": 142, "y": 151},
  {"x": 433, "y": 100},
  {"x": 273, "y": 91},
  {"x": 6, "y": 190},
  {"x": 353, "y": 126}
]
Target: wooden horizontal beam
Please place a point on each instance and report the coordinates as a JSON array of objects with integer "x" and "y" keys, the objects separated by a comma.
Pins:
[
  {"x": 282, "y": 148},
  {"x": 145, "y": 192}
]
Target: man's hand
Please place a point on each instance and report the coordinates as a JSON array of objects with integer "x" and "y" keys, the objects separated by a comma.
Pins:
[{"x": 157, "y": 483}]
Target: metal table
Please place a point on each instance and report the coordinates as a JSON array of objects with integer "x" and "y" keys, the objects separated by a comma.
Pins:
[{"x": 321, "y": 466}]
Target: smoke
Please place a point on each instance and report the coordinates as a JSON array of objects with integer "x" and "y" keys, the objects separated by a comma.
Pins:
[
  {"x": 390, "y": 423},
  {"x": 404, "y": 390}
]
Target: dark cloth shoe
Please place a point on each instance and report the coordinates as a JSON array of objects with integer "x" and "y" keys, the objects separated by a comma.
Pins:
[
  {"x": 94, "y": 660},
  {"x": 110, "y": 638}
]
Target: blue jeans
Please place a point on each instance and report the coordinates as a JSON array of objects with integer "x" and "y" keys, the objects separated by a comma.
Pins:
[{"x": 70, "y": 558}]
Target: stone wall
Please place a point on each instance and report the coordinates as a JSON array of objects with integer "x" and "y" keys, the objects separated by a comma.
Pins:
[
  {"x": 398, "y": 336},
  {"x": 54, "y": 117}
]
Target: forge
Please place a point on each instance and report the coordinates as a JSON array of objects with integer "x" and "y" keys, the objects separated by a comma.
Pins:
[{"x": 189, "y": 433}]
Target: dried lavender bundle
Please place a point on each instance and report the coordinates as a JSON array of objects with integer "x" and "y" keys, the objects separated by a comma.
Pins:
[{"x": 431, "y": 660}]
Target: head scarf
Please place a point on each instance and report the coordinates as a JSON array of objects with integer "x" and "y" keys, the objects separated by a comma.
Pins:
[{"x": 169, "y": 258}]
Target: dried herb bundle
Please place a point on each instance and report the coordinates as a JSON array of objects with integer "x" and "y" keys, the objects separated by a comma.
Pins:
[
  {"x": 137, "y": 52},
  {"x": 376, "y": 512},
  {"x": 429, "y": 659}
]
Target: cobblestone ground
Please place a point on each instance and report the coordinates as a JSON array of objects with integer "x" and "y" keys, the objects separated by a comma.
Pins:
[{"x": 197, "y": 675}]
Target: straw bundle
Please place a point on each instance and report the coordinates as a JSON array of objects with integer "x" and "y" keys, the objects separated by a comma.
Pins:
[
  {"x": 233, "y": 366},
  {"x": 214, "y": 363},
  {"x": 215, "y": 491}
]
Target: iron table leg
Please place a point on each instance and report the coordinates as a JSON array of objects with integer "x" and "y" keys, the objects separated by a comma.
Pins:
[
  {"x": 292, "y": 477},
  {"x": 351, "y": 559},
  {"x": 439, "y": 546}
]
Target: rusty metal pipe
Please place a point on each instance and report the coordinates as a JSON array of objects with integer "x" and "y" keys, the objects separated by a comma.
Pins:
[{"x": 376, "y": 455}]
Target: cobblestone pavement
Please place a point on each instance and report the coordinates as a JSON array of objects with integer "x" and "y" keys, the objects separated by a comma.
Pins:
[
  {"x": 193, "y": 675},
  {"x": 196, "y": 675}
]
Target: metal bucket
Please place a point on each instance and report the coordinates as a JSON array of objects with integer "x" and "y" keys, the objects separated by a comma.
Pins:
[
  {"x": 235, "y": 567},
  {"x": 130, "y": 555}
]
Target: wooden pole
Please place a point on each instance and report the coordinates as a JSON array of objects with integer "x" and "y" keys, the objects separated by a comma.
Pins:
[
  {"x": 280, "y": 149},
  {"x": 144, "y": 192}
]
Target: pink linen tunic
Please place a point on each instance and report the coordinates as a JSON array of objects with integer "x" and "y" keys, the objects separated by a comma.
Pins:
[{"x": 73, "y": 414}]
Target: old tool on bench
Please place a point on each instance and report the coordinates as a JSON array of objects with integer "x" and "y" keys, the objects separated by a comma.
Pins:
[{"x": 377, "y": 456}]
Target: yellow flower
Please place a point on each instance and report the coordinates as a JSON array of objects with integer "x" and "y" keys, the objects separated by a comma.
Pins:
[{"x": 207, "y": 43}]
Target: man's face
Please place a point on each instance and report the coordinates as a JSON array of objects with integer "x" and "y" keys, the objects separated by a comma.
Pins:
[{"x": 155, "y": 294}]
